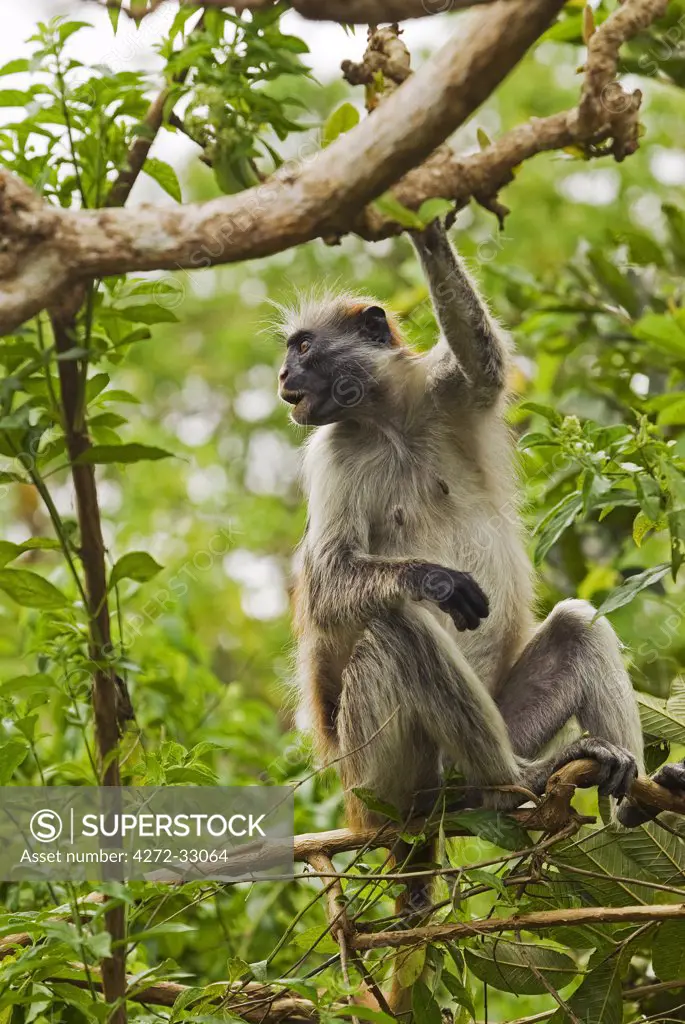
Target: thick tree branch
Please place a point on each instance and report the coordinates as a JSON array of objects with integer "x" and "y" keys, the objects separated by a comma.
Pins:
[
  {"x": 535, "y": 922},
  {"x": 552, "y": 814},
  {"x": 44, "y": 247},
  {"x": 599, "y": 100},
  {"x": 349, "y": 12}
]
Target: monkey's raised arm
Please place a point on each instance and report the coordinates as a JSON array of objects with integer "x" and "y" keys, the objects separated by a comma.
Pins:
[{"x": 467, "y": 326}]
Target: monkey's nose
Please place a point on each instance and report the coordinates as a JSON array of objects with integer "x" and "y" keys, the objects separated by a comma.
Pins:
[{"x": 283, "y": 375}]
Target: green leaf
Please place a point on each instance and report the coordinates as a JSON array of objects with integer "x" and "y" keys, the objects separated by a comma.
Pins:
[
  {"x": 99, "y": 945},
  {"x": 15, "y": 66},
  {"x": 14, "y": 98},
  {"x": 40, "y": 544},
  {"x": 68, "y": 28},
  {"x": 370, "y": 800},
  {"x": 664, "y": 719},
  {"x": 668, "y": 951},
  {"x": 676, "y": 526},
  {"x": 614, "y": 282},
  {"x": 507, "y": 966},
  {"x": 136, "y": 565},
  {"x": 147, "y": 313},
  {"x": 480, "y": 876},
  {"x": 163, "y": 928},
  {"x": 497, "y": 828},
  {"x": 657, "y": 855},
  {"x": 12, "y": 754},
  {"x": 409, "y": 966},
  {"x": 547, "y": 411},
  {"x": 649, "y": 493},
  {"x": 676, "y": 228},
  {"x": 424, "y": 1006},
  {"x": 96, "y": 384},
  {"x": 642, "y": 247},
  {"x": 311, "y": 938},
  {"x": 395, "y": 210},
  {"x": 8, "y": 552},
  {"x": 106, "y": 454},
  {"x": 610, "y": 863},
  {"x": 342, "y": 120},
  {"x": 117, "y": 395},
  {"x": 114, "y": 13},
  {"x": 459, "y": 991},
  {"x": 364, "y": 1013},
  {"x": 24, "y": 686},
  {"x": 237, "y": 968},
  {"x": 165, "y": 176},
  {"x": 534, "y": 439},
  {"x": 631, "y": 587},
  {"x": 27, "y": 727},
  {"x": 598, "y": 998},
  {"x": 672, "y": 414},
  {"x": 31, "y": 590},
  {"x": 483, "y": 138},
  {"x": 557, "y": 521},
  {"x": 663, "y": 332},
  {"x": 431, "y": 209}
]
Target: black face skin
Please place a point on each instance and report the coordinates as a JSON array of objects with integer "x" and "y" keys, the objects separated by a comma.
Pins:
[{"x": 328, "y": 373}]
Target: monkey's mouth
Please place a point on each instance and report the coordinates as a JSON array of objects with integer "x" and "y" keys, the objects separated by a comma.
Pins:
[{"x": 293, "y": 397}]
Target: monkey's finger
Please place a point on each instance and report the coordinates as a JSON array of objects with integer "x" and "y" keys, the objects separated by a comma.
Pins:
[
  {"x": 672, "y": 776},
  {"x": 461, "y": 612},
  {"x": 477, "y": 599},
  {"x": 456, "y": 616},
  {"x": 622, "y": 771},
  {"x": 472, "y": 601}
]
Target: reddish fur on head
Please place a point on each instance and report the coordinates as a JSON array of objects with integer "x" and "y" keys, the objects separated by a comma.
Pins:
[
  {"x": 354, "y": 308},
  {"x": 315, "y": 311}
]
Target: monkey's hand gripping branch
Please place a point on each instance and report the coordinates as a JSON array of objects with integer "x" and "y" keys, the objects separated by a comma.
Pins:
[{"x": 554, "y": 810}]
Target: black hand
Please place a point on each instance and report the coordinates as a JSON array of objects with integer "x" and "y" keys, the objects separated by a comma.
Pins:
[
  {"x": 671, "y": 776},
  {"x": 455, "y": 593}
]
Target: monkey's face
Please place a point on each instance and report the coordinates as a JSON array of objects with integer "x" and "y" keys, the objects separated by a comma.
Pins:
[{"x": 331, "y": 372}]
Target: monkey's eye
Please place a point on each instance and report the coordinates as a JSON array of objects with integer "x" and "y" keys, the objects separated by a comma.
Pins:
[{"x": 304, "y": 346}]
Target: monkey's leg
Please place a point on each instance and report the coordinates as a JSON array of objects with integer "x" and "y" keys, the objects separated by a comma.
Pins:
[
  {"x": 573, "y": 667},
  {"x": 409, "y": 693}
]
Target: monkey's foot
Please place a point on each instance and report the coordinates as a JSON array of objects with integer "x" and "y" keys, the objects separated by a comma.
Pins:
[
  {"x": 617, "y": 766},
  {"x": 670, "y": 776}
]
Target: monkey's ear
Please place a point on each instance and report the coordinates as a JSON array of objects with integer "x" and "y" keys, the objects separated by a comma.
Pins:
[{"x": 375, "y": 326}]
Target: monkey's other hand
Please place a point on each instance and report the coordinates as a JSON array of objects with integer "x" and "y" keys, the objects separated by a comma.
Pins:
[
  {"x": 456, "y": 593},
  {"x": 670, "y": 776},
  {"x": 618, "y": 767}
]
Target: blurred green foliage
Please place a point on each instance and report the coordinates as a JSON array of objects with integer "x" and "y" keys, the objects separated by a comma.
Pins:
[{"x": 588, "y": 273}]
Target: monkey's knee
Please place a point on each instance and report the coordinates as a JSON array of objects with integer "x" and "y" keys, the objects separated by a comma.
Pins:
[
  {"x": 588, "y": 644},
  {"x": 575, "y": 619},
  {"x": 607, "y": 707}
]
